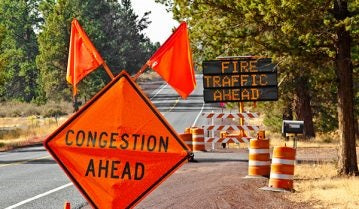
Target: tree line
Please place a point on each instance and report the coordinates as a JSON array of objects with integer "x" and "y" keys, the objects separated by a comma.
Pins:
[
  {"x": 34, "y": 41},
  {"x": 315, "y": 44}
]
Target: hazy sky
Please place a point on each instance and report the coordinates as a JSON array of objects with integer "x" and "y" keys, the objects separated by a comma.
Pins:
[{"x": 162, "y": 23}]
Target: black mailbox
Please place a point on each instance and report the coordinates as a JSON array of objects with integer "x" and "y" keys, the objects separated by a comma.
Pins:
[{"x": 293, "y": 127}]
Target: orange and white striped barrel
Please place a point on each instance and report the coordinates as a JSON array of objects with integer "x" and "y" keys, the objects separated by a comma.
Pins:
[
  {"x": 282, "y": 168},
  {"x": 187, "y": 138},
  {"x": 198, "y": 139},
  {"x": 259, "y": 158}
]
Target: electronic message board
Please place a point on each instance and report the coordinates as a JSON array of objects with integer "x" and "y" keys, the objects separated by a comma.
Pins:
[{"x": 240, "y": 80}]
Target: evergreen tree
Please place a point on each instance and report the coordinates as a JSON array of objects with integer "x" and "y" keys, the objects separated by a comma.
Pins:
[
  {"x": 113, "y": 28},
  {"x": 53, "y": 45},
  {"x": 18, "y": 49}
]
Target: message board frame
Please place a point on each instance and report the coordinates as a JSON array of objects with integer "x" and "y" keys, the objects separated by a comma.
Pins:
[{"x": 230, "y": 80}]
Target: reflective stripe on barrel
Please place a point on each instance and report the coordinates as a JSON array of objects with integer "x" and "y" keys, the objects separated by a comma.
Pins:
[
  {"x": 187, "y": 138},
  {"x": 198, "y": 139},
  {"x": 258, "y": 158},
  {"x": 282, "y": 168}
]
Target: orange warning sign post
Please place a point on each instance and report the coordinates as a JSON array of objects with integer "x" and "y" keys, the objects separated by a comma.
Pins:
[{"x": 118, "y": 147}]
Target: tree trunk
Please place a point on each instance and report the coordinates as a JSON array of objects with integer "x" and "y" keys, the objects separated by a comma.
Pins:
[
  {"x": 347, "y": 151},
  {"x": 287, "y": 114},
  {"x": 302, "y": 106},
  {"x": 356, "y": 125}
]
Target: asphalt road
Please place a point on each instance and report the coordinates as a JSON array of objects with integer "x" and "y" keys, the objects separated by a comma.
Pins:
[{"x": 30, "y": 178}]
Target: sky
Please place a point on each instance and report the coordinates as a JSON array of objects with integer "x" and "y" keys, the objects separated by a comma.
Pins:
[{"x": 162, "y": 23}]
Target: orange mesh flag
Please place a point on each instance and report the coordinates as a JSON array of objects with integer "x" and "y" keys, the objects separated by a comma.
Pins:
[
  {"x": 83, "y": 56},
  {"x": 173, "y": 61}
]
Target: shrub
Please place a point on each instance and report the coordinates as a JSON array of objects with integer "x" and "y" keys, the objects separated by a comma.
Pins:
[{"x": 22, "y": 109}]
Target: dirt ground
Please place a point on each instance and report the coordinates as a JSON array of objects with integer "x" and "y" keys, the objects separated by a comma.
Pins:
[
  {"x": 212, "y": 185},
  {"x": 215, "y": 185},
  {"x": 216, "y": 181}
]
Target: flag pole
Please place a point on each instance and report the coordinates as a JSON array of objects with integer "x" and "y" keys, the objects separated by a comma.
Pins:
[
  {"x": 74, "y": 103},
  {"x": 140, "y": 72},
  {"x": 108, "y": 71}
]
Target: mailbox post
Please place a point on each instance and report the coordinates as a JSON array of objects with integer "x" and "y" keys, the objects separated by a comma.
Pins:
[{"x": 293, "y": 127}]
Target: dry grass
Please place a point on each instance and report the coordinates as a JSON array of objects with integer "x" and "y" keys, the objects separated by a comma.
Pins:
[
  {"x": 21, "y": 109},
  {"x": 23, "y": 124},
  {"x": 321, "y": 140},
  {"x": 319, "y": 185},
  {"x": 24, "y": 131}
]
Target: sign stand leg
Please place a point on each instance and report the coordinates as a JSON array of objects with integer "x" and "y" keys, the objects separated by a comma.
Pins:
[
  {"x": 212, "y": 134},
  {"x": 108, "y": 71},
  {"x": 241, "y": 120}
]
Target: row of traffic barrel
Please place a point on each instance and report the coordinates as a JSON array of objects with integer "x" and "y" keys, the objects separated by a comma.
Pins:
[{"x": 280, "y": 169}]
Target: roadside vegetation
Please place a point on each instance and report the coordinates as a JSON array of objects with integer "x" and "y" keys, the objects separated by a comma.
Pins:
[
  {"x": 24, "y": 124},
  {"x": 21, "y": 109},
  {"x": 26, "y": 131},
  {"x": 329, "y": 139},
  {"x": 319, "y": 185},
  {"x": 34, "y": 42},
  {"x": 316, "y": 180}
]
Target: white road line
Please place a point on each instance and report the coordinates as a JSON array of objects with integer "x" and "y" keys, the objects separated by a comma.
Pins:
[
  {"x": 171, "y": 107},
  {"x": 195, "y": 121},
  {"x": 39, "y": 196},
  {"x": 163, "y": 86}
]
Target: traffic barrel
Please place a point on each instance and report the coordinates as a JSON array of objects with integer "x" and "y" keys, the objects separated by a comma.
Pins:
[
  {"x": 282, "y": 168},
  {"x": 187, "y": 130},
  {"x": 259, "y": 157},
  {"x": 187, "y": 138},
  {"x": 198, "y": 139}
]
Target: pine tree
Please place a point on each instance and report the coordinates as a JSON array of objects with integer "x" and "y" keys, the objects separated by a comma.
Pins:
[
  {"x": 18, "y": 50},
  {"x": 113, "y": 28}
]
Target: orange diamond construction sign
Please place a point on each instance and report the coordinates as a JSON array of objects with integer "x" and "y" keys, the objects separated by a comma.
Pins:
[{"x": 118, "y": 147}]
